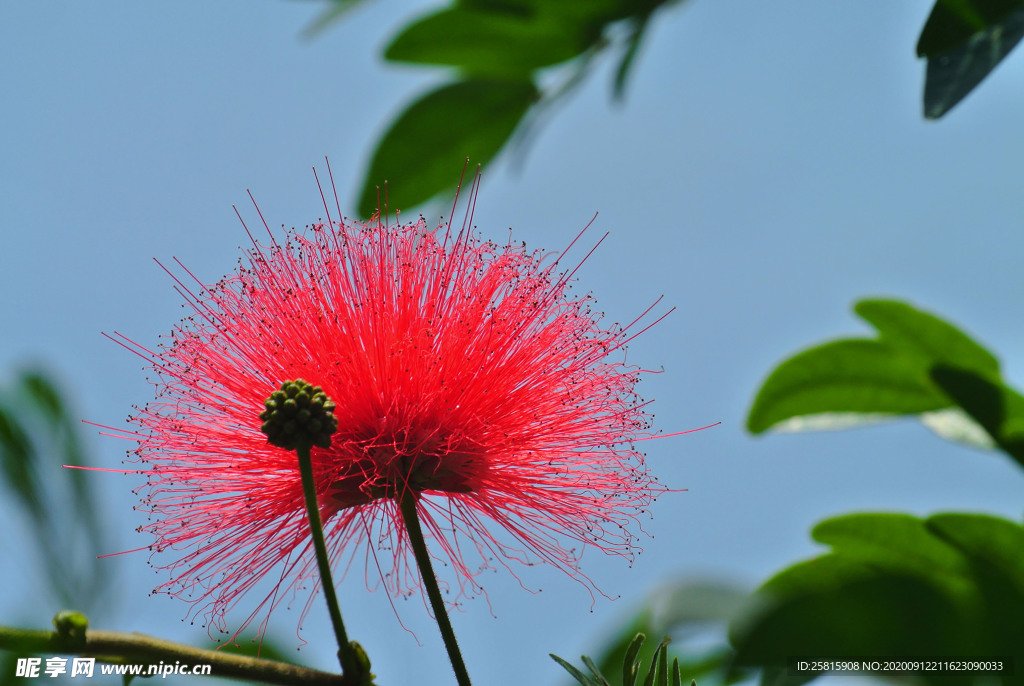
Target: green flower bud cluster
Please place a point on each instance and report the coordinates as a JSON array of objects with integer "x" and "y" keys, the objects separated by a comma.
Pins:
[{"x": 298, "y": 414}]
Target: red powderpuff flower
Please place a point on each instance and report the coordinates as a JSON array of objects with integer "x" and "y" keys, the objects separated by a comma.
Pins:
[{"x": 461, "y": 368}]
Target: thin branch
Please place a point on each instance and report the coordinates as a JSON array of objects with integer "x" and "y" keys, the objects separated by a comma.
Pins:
[{"x": 112, "y": 646}]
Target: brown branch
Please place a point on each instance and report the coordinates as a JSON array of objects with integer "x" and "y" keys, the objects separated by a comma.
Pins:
[{"x": 112, "y": 646}]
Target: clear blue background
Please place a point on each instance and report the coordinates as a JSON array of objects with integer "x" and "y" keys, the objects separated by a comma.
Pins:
[{"x": 768, "y": 167}]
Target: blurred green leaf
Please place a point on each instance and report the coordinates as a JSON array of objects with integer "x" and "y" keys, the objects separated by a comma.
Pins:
[
  {"x": 16, "y": 455},
  {"x": 37, "y": 437},
  {"x": 566, "y": 12},
  {"x": 337, "y": 10},
  {"x": 488, "y": 42},
  {"x": 638, "y": 27},
  {"x": 422, "y": 153},
  {"x": 964, "y": 40},
  {"x": 893, "y": 585},
  {"x": 63, "y": 430}
]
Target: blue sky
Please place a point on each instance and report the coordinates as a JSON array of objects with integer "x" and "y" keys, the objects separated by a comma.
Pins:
[{"x": 768, "y": 167}]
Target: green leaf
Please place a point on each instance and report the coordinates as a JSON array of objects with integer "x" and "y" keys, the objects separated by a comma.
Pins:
[
  {"x": 998, "y": 408},
  {"x": 598, "y": 677},
  {"x": 913, "y": 330},
  {"x": 952, "y": 76},
  {"x": 591, "y": 13},
  {"x": 852, "y": 380},
  {"x": 422, "y": 153},
  {"x": 994, "y": 547},
  {"x": 964, "y": 40},
  {"x": 490, "y": 42},
  {"x": 953, "y": 23},
  {"x": 856, "y": 375},
  {"x": 657, "y": 674},
  {"x": 630, "y": 664},
  {"x": 46, "y": 398},
  {"x": 17, "y": 457},
  {"x": 662, "y": 670},
  {"x": 892, "y": 584},
  {"x": 37, "y": 437},
  {"x": 576, "y": 674},
  {"x": 639, "y": 27},
  {"x": 895, "y": 542}
]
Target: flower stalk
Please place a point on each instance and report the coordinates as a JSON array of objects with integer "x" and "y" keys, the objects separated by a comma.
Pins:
[
  {"x": 407, "y": 503},
  {"x": 351, "y": 663},
  {"x": 296, "y": 417}
]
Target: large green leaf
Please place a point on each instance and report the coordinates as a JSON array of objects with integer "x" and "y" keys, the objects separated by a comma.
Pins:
[
  {"x": 859, "y": 378},
  {"x": 913, "y": 330},
  {"x": 489, "y": 41},
  {"x": 964, "y": 40},
  {"x": 849, "y": 376},
  {"x": 422, "y": 153},
  {"x": 893, "y": 585}
]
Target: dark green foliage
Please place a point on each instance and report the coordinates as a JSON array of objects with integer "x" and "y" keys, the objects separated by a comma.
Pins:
[
  {"x": 893, "y": 585},
  {"x": 514, "y": 40},
  {"x": 996, "y": 407},
  {"x": 497, "y": 48},
  {"x": 963, "y": 41}
]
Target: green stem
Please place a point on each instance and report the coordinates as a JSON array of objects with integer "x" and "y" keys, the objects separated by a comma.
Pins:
[
  {"x": 111, "y": 646},
  {"x": 407, "y": 504},
  {"x": 347, "y": 655}
]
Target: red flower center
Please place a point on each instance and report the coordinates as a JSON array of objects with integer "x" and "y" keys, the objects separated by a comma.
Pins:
[{"x": 388, "y": 466}]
